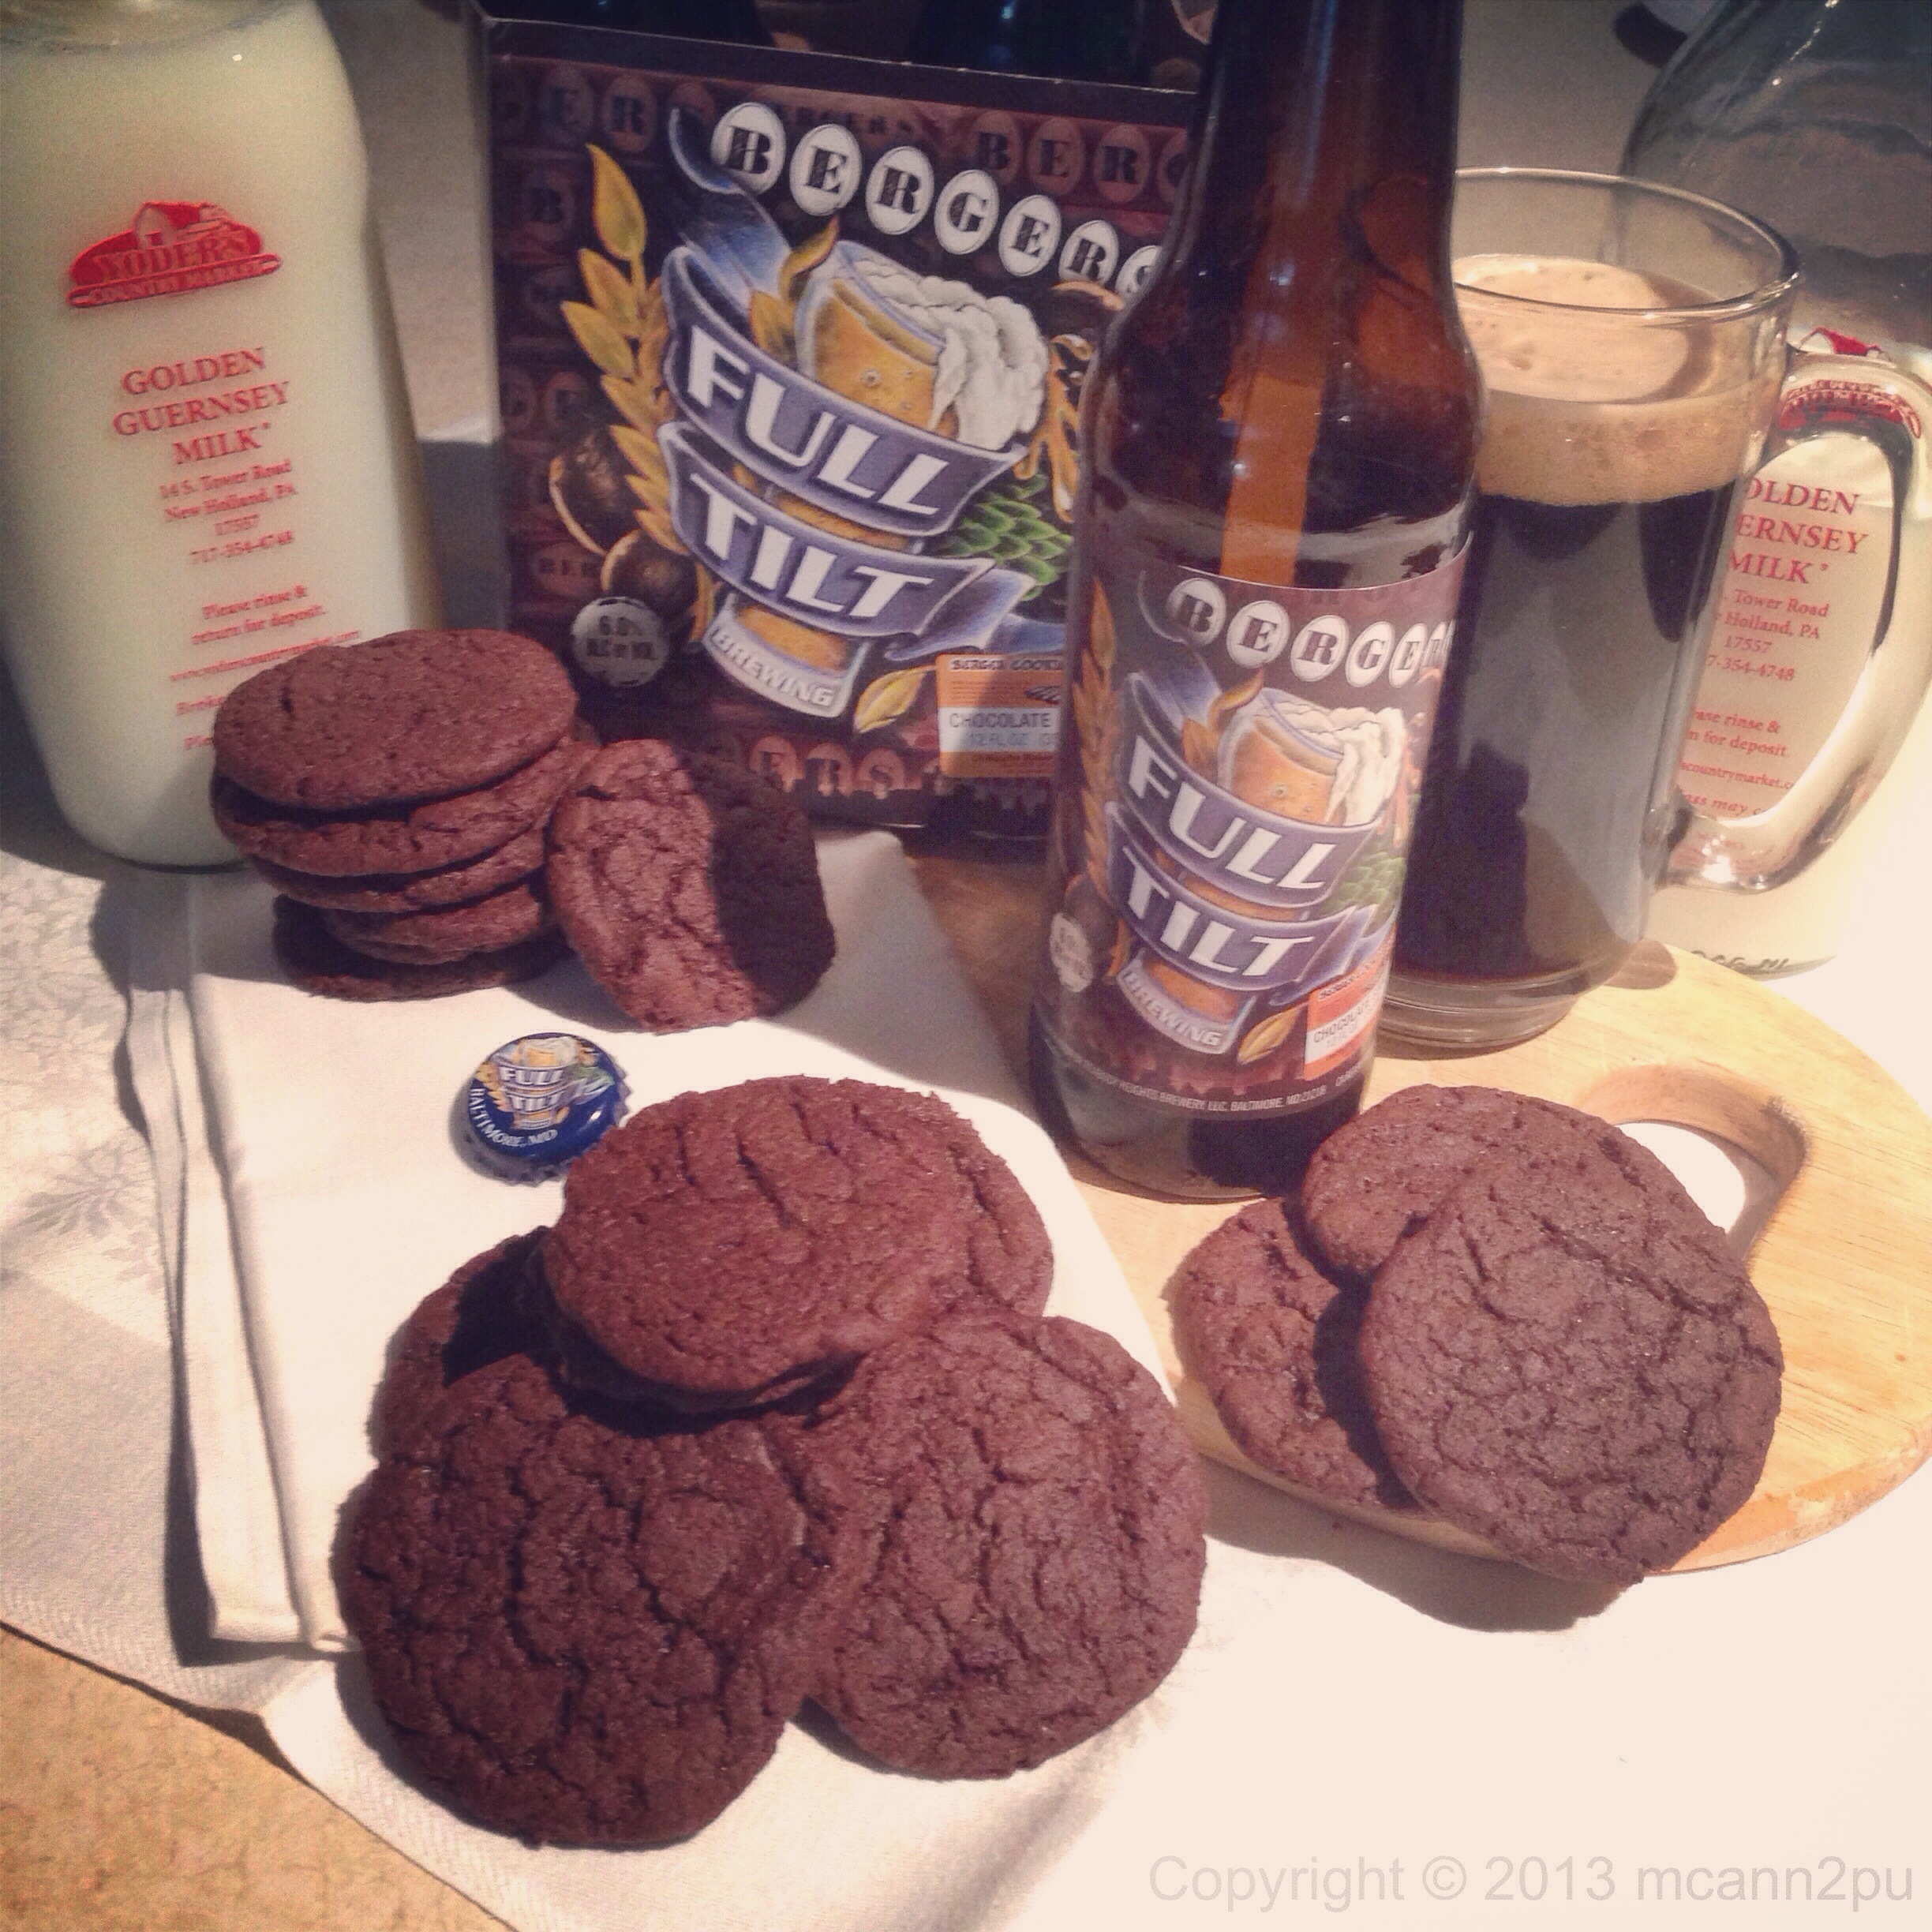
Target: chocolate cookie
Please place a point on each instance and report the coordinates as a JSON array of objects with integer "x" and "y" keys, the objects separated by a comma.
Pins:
[
  {"x": 1567, "y": 1360},
  {"x": 479, "y": 1315},
  {"x": 733, "y": 1243},
  {"x": 318, "y": 962},
  {"x": 582, "y": 1631},
  {"x": 1371, "y": 1181},
  {"x": 412, "y": 892},
  {"x": 413, "y": 838},
  {"x": 420, "y": 714},
  {"x": 689, "y": 887},
  {"x": 1273, "y": 1338},
  {"x": 1042, "y": 1560},
  {"x": 439, "y": 933}
]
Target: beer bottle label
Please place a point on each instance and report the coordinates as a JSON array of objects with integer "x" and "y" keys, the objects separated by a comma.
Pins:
[{"x": 1236, "y": 800}]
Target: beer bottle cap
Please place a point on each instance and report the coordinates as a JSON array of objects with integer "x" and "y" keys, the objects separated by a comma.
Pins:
[{"x": 538, "y": 1102}]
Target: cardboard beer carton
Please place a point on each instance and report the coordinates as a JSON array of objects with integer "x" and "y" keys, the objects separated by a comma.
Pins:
[{"x": 790, "y": 348}]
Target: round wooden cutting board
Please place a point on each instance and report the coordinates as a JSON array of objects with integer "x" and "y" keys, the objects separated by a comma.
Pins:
[{"x": 1843, "y": 1260}]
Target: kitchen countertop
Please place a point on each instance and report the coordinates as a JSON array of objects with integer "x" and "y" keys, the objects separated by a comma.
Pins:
[{"x": 119, "y": 1809}]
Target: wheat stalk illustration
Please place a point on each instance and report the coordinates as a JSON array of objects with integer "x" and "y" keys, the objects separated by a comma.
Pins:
[
  {"x": 623, "y": 329},
  {"x": 1055, "y": 441}
]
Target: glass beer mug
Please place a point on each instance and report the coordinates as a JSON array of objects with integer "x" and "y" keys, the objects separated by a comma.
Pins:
[{"x": 1631, "y": 337}]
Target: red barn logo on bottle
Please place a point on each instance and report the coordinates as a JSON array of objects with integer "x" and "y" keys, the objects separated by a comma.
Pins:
[{"x": 169, "y": 248}]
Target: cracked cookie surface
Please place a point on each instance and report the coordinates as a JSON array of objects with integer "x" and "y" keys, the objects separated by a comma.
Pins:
[
  {"x": 1272, "y": 1338},
  {"x": 402, "y": 838},
  {"x": 733, "y": 1243},
  {"x": 418, "y": 714},
  {"x": 581, "y": 1627},
  {"x": 1041, "y": 1565},
  {"x": 1567, "y": 1360},
  {"x": 689, "y": 887},
  {"x": 1372, "y": 1181}
]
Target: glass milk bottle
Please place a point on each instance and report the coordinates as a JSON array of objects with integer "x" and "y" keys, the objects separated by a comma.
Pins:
[
  {"x": 207, "y": 462},
  {"x": 1815, "y": 116}
]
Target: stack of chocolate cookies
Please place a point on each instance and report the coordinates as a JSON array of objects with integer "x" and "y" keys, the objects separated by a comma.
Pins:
[
  {"x": 1501, "y": 1312},
  {"x": 772, "y": 1413},
  {"x": 435, "y": 816},
  {"x": 395, "y": 794}
]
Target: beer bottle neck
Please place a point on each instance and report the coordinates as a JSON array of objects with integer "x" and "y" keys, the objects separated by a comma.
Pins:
[
  {"x": 1306, "y": 104},
  {"x": 1310, "y": 264}
]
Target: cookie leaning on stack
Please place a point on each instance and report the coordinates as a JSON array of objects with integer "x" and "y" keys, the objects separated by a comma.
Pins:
[
  {"x": 688, "y": 886},
  {"x": 421, "y": 803}
]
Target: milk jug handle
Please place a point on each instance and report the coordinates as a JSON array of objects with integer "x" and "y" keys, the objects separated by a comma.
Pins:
[{"x": 1842, "y": 395}]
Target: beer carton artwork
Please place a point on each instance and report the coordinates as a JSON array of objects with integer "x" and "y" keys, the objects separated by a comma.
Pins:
[
  {"x": 1237, "y": 798},
  {"x": 791, "y": 369}
]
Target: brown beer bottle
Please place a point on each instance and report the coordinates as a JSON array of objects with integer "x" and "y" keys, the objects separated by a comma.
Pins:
[{"x": 1279, "y": 437}]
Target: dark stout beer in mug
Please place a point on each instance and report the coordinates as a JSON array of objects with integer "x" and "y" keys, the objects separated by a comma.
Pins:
[
  {"x": 1631, "y": 343},
  {"x": 1278, "y": 436}
]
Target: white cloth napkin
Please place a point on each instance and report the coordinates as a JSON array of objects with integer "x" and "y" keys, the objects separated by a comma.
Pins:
[
  {"x": 330, "y": 1126},
  {"x": 97, "y": 1544},
  {"x": 237, "y": 1521},
  {"x": 324, "y": 1197},
  {"x": 1350, "y": 1700}
]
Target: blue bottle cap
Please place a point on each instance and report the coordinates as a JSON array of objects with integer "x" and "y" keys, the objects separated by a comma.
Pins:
[{"x": 535, "y": 1104}]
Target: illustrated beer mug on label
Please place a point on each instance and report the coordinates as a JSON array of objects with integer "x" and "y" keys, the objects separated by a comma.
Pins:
[{"x": 1632, "y": 340}]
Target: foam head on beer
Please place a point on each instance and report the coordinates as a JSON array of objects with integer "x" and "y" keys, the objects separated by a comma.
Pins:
[{"x": 1603, "y": 386}]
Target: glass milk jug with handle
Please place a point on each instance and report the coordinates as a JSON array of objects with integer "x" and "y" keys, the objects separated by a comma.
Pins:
[{"x": 1812, "y": 734}]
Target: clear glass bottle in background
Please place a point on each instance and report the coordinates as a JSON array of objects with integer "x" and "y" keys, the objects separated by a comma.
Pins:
[
  {"x": 207, "y": 460},
  {"x": 1816, "y": 117},
  {"x": 690, "y": 20},
  {"x": 1173, "y": 43},
  {"x": 875, "y": 29},
  {"x": 1279, "y": 435},
  {"x": 1093, "y": 40}
]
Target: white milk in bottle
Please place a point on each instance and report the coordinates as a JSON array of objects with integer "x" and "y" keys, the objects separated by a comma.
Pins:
[{"x": 206, "y": 458}]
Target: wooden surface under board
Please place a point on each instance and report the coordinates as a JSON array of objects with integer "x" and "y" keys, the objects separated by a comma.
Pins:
[{"x": 1843, "y": 1261}]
